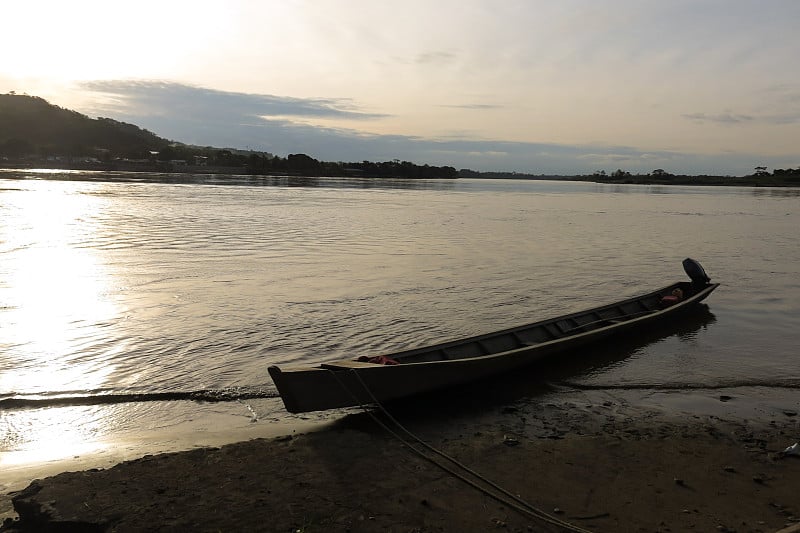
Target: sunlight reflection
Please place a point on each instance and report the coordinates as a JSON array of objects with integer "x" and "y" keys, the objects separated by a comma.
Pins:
[
  {"x": 55, "y": 301},
  {"x": 42, "y": 435},
  {"x": 54, "y": 288}
]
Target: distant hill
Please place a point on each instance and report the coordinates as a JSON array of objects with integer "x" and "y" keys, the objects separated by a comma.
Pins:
[
  {"x": 31, "y": 125},
  {"x": 34, "y": 132}
]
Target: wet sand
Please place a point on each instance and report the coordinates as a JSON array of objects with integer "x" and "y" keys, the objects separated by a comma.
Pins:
[{"x": 599, "y": 464}]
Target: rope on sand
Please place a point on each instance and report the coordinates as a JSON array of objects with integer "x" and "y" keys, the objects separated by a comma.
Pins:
[{"x": 501, "y": 495}]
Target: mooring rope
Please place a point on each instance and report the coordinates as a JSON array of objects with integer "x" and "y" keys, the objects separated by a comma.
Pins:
[{"x": 517, "y": 503}]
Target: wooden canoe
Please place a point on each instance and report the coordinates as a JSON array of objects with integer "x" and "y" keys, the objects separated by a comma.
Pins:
[{"x": 420, "y": 370}]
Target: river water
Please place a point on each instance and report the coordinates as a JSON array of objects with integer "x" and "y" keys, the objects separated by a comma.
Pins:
[{"x": 130, "y": 304}]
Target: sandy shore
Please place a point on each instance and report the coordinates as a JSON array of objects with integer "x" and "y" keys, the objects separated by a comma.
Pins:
[{"x": 601, "y": 465}]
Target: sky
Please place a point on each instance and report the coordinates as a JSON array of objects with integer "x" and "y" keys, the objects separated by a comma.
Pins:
[{"x": 531, "y": 86}]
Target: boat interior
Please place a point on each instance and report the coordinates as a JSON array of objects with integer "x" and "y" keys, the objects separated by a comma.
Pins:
[{"x": 536, "y": 333}]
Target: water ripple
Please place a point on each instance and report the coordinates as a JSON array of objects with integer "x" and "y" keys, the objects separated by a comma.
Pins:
[
  {"x": 165, "y": 288},
  {"x": 233, "y": 394}
]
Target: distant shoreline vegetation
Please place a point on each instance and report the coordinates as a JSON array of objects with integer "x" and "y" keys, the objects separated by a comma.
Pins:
[
  {"x": 760, "y": 178},
  {"x": 253, "y": 164},
  {"x": 37, "y": 134}
]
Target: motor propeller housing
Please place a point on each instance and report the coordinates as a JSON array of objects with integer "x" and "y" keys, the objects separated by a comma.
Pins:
[{"x": 695, "y": 271}]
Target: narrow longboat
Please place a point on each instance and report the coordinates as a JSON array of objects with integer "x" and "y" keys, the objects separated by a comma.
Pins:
[{"x": 383, "y": 378}]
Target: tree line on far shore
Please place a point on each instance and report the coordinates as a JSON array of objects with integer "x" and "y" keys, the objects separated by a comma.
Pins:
[
  {"x": 308, "y": 166},
  {"x": 761, "y": 177}
]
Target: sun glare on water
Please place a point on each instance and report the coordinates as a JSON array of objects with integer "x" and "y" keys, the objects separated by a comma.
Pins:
[
  {"x": 55, "y": 296},
  {"x": 43, "y": 435}
]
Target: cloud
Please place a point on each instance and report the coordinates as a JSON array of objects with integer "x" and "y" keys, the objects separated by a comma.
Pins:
[
  {"x": 207, "y": 117},
  {"x": 780, "y": 104},
  {"x": 472, "y": 106},
  {"x": 722, "y": 118},
  {"x": 776, "y": 105},
  {"x": 435, "y": 58},
  {"x": 604, "y": 157},
  {"x": 784, "y": 118},
  {"x": 157, "y": 97}
]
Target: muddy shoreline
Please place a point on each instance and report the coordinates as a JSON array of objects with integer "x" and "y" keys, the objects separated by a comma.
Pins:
[{"x": 601, "y": 465}]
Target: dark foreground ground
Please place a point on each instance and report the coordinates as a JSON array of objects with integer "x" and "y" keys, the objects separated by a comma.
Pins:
[{"x": 600, "y": 466}]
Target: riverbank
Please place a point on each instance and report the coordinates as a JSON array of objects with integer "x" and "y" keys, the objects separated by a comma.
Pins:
[{"x": 602, "y": 465}]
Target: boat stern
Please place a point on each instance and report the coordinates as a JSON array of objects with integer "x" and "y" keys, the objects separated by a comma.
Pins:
[{"x": 284, "y": 390}]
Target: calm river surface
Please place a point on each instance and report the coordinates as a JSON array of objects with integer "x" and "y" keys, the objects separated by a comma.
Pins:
[{"x": 180, "y": 288}]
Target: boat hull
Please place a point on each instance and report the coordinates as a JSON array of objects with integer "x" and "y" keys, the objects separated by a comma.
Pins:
[{"x": 423, "y": 370}]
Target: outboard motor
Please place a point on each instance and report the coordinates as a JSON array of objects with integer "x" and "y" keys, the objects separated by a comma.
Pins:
[{"x": 695, "y": 271}]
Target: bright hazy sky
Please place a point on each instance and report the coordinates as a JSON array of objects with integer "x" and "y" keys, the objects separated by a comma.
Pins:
[{"x": 556, "y": 86}]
